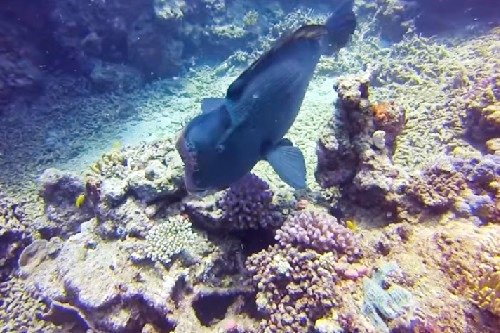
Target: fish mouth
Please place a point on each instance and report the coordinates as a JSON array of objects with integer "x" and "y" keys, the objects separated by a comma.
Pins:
[{"x": 188, "y": 156}]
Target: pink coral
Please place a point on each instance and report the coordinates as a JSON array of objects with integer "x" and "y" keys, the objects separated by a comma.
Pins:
[{"x": 297, "y": 278}]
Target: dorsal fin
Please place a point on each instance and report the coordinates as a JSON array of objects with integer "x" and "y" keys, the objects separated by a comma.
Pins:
[{"x": 312, "y": 32}]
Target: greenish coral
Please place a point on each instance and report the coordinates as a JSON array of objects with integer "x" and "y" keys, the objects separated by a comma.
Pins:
[
  {"x": 175, "y": 237},
  {"x": 250, "y": 18},
  {"x": 230, "y": 31},
  {"x": 169, "y": 9}
]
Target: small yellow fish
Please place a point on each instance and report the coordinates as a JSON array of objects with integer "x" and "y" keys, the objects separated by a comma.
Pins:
[
  {"x": 351, "y": 225},
  {"x": 80, "y": 200}
]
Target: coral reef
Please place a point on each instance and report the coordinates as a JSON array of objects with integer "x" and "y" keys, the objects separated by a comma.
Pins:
[
  {"x": 482, "y": 120},
  {"x": 436, "y": 188},
  {"x": 14, "y": 235},
  {"x": 119, "y": 248},
  {"x": 487, "y": 295},
  {"x": 246, "y": 205},
  {"x": 22, "y": 312},
  {"x": 361, "y": 163},
  {"x": 383, "y": 302},
  {"x": 174, "y": 238},
  {"x": 18, "y": 77},
  {"x": 395, "y": 17},
  {"x": 297, "y": 279},
  {"x": 63, "y": 215},
  {"x": 465, "y": 186},
  {"x": 132, "y": 294}
]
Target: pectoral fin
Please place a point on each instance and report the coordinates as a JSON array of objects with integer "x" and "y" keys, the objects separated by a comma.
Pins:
[
  {"x": 212, "y": 103},
  {"x": 288, "y": 162}
]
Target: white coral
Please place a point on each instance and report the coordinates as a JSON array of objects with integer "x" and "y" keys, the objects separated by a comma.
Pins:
[{"x": 172, "y": 237}]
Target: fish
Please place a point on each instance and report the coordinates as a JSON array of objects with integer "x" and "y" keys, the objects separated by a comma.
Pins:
[{"x": 222, "y": 144}]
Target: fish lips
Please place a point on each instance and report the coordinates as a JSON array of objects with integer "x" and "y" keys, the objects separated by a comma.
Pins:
[{"x": 188, "y": 155}]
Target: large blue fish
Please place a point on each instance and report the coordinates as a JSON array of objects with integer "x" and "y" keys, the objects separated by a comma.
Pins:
[{"x": 221, "y": 145}]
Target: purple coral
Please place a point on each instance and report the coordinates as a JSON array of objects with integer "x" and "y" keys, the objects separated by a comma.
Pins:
[
  {"x": 296, "y": 278},
  {"x": 437, "y": 188},
  {"x": 248, "y": 205},
  {"x": 319, "y": 232}
]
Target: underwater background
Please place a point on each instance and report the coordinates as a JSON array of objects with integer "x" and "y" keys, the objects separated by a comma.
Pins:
[{"x": 397, "y": 231}]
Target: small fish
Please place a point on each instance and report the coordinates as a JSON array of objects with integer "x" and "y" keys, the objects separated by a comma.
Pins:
[{"x": 223, "y": 144}]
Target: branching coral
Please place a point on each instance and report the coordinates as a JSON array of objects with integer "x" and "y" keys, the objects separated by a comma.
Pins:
[
  {"x": 248, "y": 204},
  {"x": 296, "y": 279},
  {"x": 172, "y": 238},
  {"x": 320, "y": 233}
]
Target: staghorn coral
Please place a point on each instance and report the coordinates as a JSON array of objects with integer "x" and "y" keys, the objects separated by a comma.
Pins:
[
  {"x": 248, "y": 204},
  {"x": 296, "y": 279}
]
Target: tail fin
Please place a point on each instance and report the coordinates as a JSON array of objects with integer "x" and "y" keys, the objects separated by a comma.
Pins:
[{"x": 341, "y": 24}]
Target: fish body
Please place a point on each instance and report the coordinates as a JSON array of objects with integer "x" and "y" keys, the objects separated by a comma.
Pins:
[{"x": 224, "y": 143}]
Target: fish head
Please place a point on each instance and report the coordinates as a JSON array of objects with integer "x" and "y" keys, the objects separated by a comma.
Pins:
[{"x": 197, "y": 146}]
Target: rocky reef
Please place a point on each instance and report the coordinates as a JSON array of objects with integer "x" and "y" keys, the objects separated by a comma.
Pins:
[{"x": 355, "y": 150}]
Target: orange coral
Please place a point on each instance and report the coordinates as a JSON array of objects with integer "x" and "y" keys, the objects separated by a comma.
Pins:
[{"x": 381, "y": 111}]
